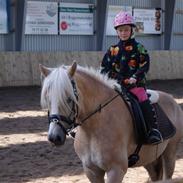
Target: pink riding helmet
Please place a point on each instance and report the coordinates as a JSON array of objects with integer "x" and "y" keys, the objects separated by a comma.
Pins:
[{"x": 123, "y": 18}]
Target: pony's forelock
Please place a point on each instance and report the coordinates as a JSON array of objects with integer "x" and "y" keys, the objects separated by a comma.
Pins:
[{"x": 57, "y": 86}]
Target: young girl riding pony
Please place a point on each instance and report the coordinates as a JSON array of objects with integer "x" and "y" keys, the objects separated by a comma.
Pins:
[{"x": 128, "y": 62}]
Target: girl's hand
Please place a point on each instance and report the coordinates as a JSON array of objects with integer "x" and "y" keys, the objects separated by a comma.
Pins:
[{"x": 132, "y": 80}]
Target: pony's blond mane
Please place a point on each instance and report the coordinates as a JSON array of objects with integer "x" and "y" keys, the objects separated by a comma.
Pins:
[
  {"x": 57, "y": 86},
  {"x": 102, "y": 78}
]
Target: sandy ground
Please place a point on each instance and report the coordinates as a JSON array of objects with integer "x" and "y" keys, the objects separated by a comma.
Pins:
[{"x": 27, "y": 156}]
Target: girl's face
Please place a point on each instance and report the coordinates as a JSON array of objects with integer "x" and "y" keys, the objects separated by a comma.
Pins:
[{"x": 124, "y": 32}]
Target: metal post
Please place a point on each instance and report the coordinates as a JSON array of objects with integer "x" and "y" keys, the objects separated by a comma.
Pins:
[
  {"x": 101, "y": 19},
  {"x": 169, "y": 14},
  {"x": 20, "y": 16},
  {"x": 10, "y": 43}
]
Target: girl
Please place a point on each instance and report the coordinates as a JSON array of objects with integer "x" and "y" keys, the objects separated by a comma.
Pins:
[{"x": 128, "y": 63}]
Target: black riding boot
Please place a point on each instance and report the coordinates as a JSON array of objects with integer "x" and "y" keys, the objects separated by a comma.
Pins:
[{"x": 154, "y": 135}]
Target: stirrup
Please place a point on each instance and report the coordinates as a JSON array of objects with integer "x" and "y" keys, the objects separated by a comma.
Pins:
[{"x": 155, "y": 137}]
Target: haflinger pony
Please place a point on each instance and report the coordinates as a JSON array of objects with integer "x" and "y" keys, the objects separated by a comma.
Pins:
[{"x": 105, "y": 135}]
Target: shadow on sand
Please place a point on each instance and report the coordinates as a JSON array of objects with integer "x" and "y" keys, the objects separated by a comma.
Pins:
[{"x": 23, "y": 162}]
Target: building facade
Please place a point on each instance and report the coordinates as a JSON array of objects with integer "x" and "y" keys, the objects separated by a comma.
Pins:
[{"x": 18, "y": 13}]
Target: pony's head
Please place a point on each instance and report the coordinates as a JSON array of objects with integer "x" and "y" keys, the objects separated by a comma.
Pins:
[{"x": 59, "y": 96}]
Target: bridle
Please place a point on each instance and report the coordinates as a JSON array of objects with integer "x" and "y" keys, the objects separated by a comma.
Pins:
[{"x": 68, "y": 124}]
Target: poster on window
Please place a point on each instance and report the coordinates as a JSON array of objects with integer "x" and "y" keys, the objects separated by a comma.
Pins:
[
  {"x": 3, "y": 17},
  {"x": 112, "y": 12},
  {"x": 41, "y": 18},
  {"x": 148, "y": 21},
  {"x": 76, "y": 19}
]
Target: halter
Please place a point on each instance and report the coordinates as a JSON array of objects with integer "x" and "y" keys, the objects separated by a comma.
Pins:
[{"x": 68, "y": 124}]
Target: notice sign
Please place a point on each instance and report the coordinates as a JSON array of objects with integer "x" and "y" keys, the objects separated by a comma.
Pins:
[
  {"x": 41, "y": 18},
  {"x": 112, "y": 12},
  {"x": 148, "y": 21},
  {"x": 76, "y": 19},
  {"x": 3, "y": 17}
]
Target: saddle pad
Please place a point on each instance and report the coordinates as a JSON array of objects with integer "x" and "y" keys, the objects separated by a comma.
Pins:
[{"x": 165, "y": 126}]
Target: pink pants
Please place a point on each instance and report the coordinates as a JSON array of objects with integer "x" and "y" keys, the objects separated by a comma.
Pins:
[{"x": 140, "y": 93}]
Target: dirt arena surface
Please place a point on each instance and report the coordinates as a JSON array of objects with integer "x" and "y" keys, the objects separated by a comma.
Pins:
[{"x": 27, "y": 156}]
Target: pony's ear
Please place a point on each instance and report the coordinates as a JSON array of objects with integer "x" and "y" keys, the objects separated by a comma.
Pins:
[
  {"x": 44, "y": 70},
  {"x": 72, "y": 69}
]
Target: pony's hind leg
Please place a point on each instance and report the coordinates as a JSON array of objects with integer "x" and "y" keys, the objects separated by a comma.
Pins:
[
  {"x": 169, "y": 158},
  {"x": 95, "y": 175},
  {"x": 164, "y": 166},
  {"x": 155, "y": 169}
]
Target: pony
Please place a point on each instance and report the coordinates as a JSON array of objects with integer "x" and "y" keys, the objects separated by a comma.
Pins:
[{"x": 74, "y": 97}]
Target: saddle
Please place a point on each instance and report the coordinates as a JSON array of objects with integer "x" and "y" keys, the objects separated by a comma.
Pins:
[{"x": 165, "y": 126}]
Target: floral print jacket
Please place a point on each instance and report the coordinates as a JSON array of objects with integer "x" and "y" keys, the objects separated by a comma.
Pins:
[{"x": 126, "y": 59}]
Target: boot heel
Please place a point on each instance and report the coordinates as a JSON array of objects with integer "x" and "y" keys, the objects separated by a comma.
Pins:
[{"x": 155, "y": 137}]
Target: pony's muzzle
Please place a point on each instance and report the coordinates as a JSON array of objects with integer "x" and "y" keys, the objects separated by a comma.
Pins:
[
  {"x": 56, "y": 134},
  {"x": 56, "y": 140}
]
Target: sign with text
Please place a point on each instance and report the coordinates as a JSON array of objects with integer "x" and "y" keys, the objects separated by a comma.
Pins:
[
  {"x": 76, "y": 19},
  {"x": 3, "y": 17},
  {"x": 112, "y": 12},
  {"x": 148, "y": 21},
  {"x": 41, "y": 18}
]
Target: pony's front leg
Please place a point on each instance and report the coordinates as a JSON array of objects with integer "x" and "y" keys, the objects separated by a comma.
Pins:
[
  {"x": 115, "y": 174},
  {"x": 95, "y": 175}
]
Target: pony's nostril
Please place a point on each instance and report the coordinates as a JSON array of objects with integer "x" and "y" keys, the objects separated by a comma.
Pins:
[{"x": 57, "y": 140}]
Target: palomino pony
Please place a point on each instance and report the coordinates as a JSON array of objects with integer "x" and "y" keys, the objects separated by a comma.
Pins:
[{"x": 105, "y": 135}]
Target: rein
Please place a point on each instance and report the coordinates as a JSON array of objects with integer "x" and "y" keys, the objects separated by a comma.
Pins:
[{"x": 98, "y": 109}]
